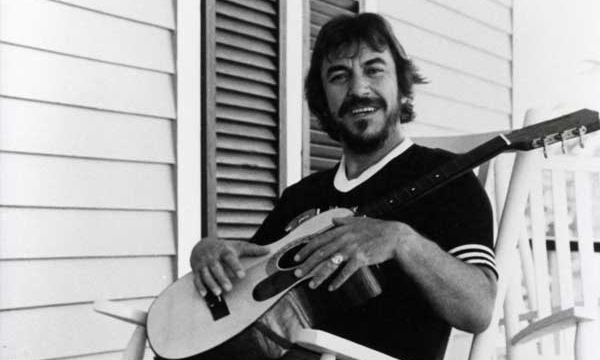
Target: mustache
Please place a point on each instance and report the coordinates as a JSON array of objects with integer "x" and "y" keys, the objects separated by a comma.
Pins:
[{"x": 357, "y": 101}]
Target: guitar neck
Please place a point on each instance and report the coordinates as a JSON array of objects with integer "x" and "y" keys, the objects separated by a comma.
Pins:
[{"x": 400, "y": 199}]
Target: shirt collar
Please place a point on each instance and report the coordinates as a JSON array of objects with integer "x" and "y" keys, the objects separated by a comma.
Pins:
[{"x": 343, "y": 184}]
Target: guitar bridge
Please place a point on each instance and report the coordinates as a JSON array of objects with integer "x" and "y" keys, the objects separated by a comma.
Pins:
[{"x": 217, "y": 306}]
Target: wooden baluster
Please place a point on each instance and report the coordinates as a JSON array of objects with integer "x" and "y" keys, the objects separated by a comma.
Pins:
[{"x": 540, "y": 255}]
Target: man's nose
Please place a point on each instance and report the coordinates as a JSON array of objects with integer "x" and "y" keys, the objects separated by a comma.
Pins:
[{"x": 359, "y": 86}]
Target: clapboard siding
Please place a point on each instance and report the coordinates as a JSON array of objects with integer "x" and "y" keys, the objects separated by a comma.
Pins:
[
  {"x": 426, "y": 46},
  {"x": 63, "y": 331},
  {"x": 87, "y": 157},
  {"x": 465, "y": 89},
  {"x": 447, "y": 23},
  {"x": 37, "y": 283},
  {"x": 43, "y": 233},
  {"x": 450, "y": 114},
  {"x": 49, "y": 181},
  {"x": 39, "y": 75},
  {"x": 66, "y": 29},
  {"x": 464, "y": 49},
  {"x": 489, "y": 13},
  {"x": 156, "y": 12},
  {"x": 43, "y": 128}
]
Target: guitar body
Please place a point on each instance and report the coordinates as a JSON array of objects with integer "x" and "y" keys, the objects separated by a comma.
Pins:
[{"x": 181, "y": 324}]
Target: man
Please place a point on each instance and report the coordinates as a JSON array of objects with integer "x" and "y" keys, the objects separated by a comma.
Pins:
[{"x": 436, "y": 257}]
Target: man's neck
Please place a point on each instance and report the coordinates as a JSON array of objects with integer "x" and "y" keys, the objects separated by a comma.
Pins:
[{"x": 356, "y": 163}]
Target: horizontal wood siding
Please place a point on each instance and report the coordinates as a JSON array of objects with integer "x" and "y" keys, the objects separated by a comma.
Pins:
[
  {"x": 87, "y": 160},
  {"x": 244, "y": 134},
  {"x": 464, "y": 49},
  {"x": 324, "y": 152}
]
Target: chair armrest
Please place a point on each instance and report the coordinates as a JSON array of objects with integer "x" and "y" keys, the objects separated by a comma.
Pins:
[
  {"x": 324, "y": 342},
  {"x": 121, "y": 312},
  {"x": 553, "y": 323}
]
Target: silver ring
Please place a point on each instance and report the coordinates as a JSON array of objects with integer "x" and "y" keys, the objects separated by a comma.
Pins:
[{"x": 337, "y": 259}]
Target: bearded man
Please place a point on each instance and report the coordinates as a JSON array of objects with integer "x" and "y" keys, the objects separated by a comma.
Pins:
[{"x": 437, "y": 257}]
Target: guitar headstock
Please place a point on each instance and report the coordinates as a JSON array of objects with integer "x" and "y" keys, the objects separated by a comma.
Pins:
[{"x": 560, "y": 129}]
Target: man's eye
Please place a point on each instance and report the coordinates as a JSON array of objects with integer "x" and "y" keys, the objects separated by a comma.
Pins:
[
  {"x": 374, "y": 71},
  {"x": 338, "y": 77}
]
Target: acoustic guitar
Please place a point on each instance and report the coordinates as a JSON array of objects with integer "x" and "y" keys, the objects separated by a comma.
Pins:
[{"x": 182, "y": 324}]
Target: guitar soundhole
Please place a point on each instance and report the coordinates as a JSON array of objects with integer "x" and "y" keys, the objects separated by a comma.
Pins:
[{"x": 286, "y": 261}]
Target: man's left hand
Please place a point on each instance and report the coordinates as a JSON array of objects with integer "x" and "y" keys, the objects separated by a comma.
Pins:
[{"x": 353, "y": 243}]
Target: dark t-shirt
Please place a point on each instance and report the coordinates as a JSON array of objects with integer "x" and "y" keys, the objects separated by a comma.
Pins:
[{"x": 457, "y": 217}]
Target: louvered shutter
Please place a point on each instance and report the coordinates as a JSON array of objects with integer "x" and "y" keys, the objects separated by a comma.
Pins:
[
  {"x": 242, "y": 126},
  {"x": 324, "y": 152}
]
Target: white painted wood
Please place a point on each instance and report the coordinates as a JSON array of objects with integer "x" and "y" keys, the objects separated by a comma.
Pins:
[
  {"x": 488, "y": 12},
  {"x": 111, "y": 355},
  {"x": 370, "y": 6},
  {"x": 121, "y": 312},
  {"x": 447, "y": 23},
  {"x": 508, "y": 232},
  {"x": 189, "y": 94},
  {"x": 39, "y": 75},
  {"x": 419, "y": 128},
  {"x": 585, "y": 236},
  {"x": 294, "y": 89},
  {"x": 540, "y": 253},
  {"x": 573, "y": 163},
  {"x": 443, "y": 112},
  {"x": 561, "y": 229},
  {"x": 61, "y": 331},
  {"x": 28, "y": 180},
  {"x": 323, "y": 342},
  {"x": 50, "y": 233},
  {"x": 136, "y": 346},
  {"x": 34, "y": 127},
  {"x": 464, "y": 88},
  {"x": 427, "y": 46},
  {"x": 157, "y": 12},
  {"x": 561, "y": 320},
  {"x": 64, "y": 281},
  {"x": 66, "y": 29}
]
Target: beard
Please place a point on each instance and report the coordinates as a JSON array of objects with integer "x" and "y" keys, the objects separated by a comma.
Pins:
[{"x": 361, "y": 143}]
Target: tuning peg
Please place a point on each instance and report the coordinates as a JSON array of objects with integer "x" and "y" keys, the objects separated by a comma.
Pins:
[
  {"x": 547, "y": 141},
  {"x": 581, "y": 131}
]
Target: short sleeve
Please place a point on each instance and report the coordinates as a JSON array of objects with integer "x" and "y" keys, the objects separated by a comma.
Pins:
[{"x": 468, "y": 219}]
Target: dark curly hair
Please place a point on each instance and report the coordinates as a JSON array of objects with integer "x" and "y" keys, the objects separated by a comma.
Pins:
[{"x": 344, "y": 33}]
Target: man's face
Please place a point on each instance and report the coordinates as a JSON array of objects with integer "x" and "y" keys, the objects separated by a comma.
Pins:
[{"x": 362, "y": 96}]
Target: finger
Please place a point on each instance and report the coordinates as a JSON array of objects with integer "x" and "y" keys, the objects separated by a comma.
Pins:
[
  {"x": 209, "y": 281},
  {"x": 315, "y": 243},
  {"x": 233, "y": 264},
  {"x": 323, "y": 272},
  {"x": 199, "y": 284},
  {"x": 249, "y": 249},
  {"x": 219, "y": 275},
  {"x": 319, "y": 256},
  {"x": 344, "y": 274}
]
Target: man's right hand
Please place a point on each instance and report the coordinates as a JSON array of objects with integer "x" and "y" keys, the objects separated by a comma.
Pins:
[{"x": 215, "y": 262}]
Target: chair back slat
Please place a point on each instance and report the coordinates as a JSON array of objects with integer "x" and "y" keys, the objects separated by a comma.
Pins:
[
  {"x": 585, "y": 236},
  {"x": 539, "y": 249},
  {"x": 564, "y": 267}
]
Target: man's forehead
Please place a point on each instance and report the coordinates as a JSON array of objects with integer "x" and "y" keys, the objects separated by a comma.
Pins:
[{"x": 362, "y": 52}]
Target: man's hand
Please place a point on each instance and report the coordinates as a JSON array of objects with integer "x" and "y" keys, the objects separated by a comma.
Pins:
[
  {"x": 358, "y": 241},
  {"x": 215, "y": 262}
]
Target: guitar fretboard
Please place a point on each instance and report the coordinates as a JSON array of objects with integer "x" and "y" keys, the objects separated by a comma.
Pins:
[{"x": 414, "y": 191}]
